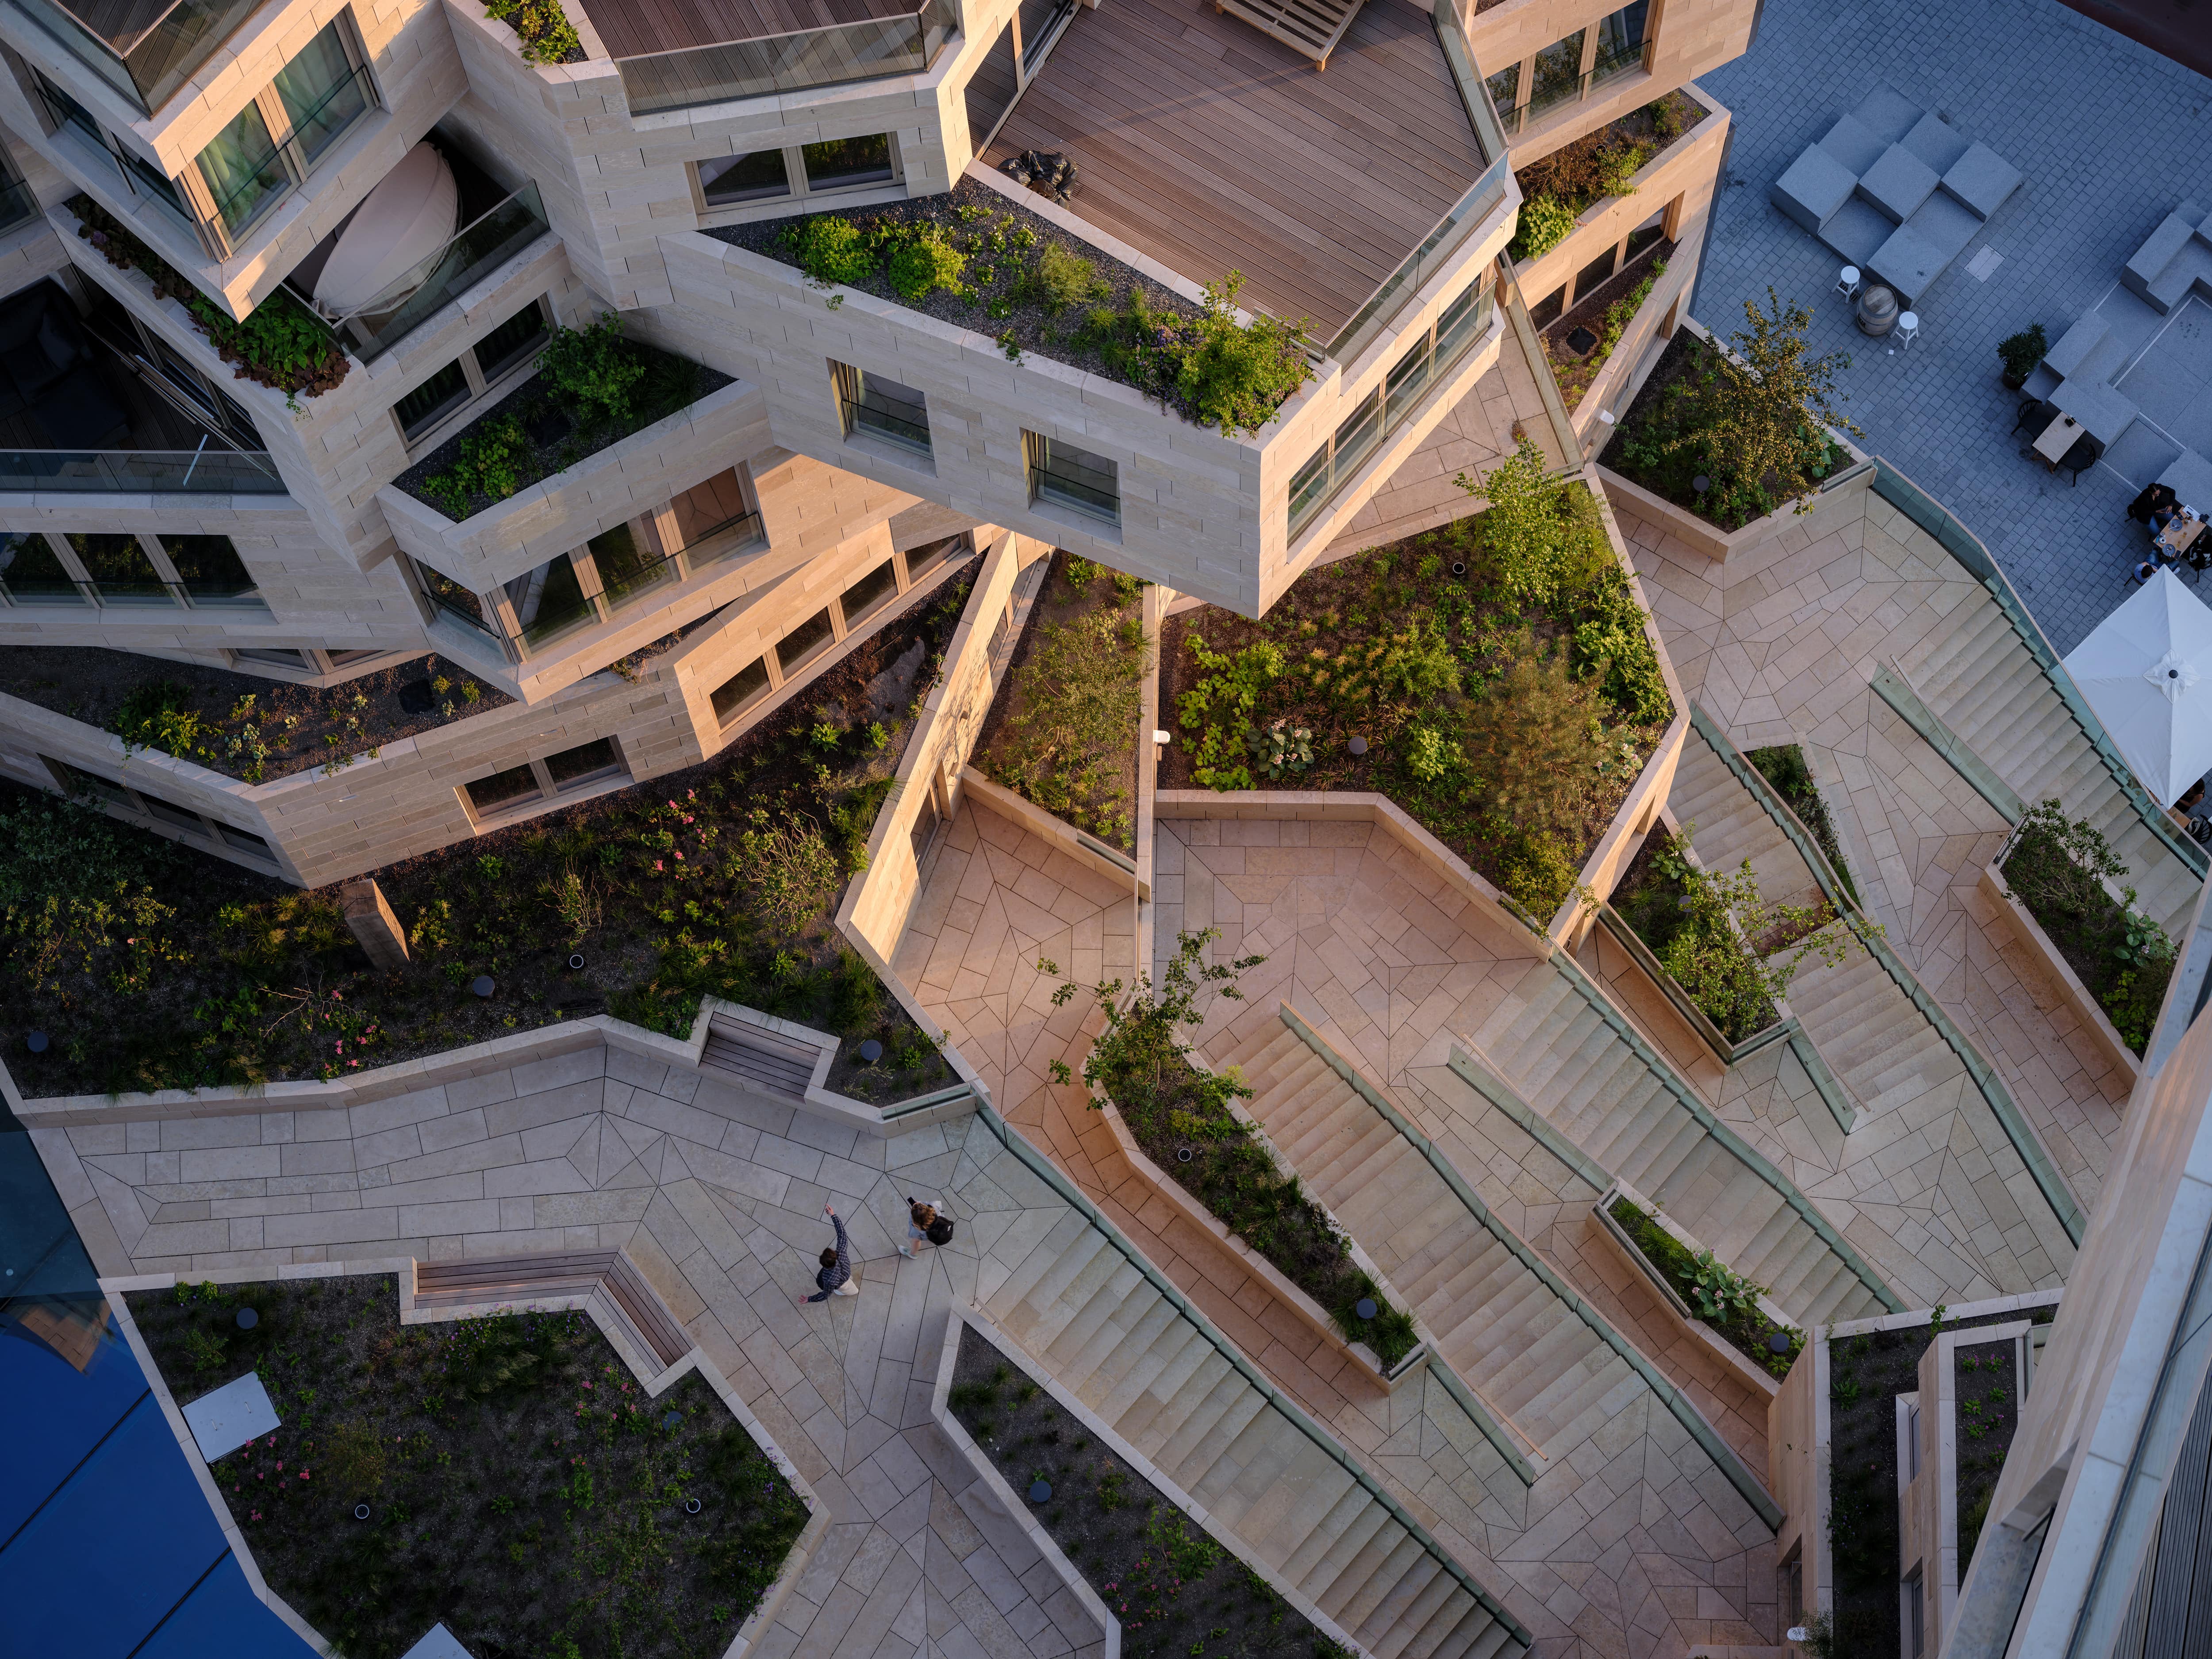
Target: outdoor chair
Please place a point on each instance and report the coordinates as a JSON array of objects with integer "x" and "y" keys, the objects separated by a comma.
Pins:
[
  {"x": 2035, "y": 415},
  {"x": 2085, "y": 453}
]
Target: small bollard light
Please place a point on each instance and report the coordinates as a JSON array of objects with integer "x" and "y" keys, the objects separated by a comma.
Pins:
[
  {"x": 1778, "y": 1341},
  {"x": 1357, "y": 745},
  {"x": 1701, "y": 484},
  {"x": 1605, "y": 414},
  {"x": 576, "y": 964},
  {"x": 361, "y": 1511},
  {"x": 672, "y": 1420},
  {"x": 1796, "y": 1633},
  {"x": 247, "y": 1319},
  {"x": 1161, "y": 739},
  {"x": 1039, "y": 1491},
  {"x": 870, "y": 1051},
  {"x": 1365, "y": 1307},
  {"x": 1459, "y": 566},
  {"x": 483, "y": 986},
  {"x": 1184, "y": 1155},
  {"x": 690, "y": 1506}
]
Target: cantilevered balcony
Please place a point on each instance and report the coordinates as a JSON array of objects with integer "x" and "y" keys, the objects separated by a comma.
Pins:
[{"x": 144, "y": 49}]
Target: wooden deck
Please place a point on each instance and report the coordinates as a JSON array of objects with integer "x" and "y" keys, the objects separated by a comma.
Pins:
[
  {"x": 630, "y": 29},
  {"x": 1210, "y": 146}
]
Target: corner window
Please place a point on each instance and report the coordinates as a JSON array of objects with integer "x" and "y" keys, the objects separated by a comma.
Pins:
[
  {"x": 717, "y": 508},
  {"x": 242, "y": 169},
  {"x": 629, "y": 564},
  {"x": 874, "y": 407},
  {"x": 804, "y": 643},
  {"x": 549, "y": 601},
  {"x": 450, "y": 598},
  {"x": 322, "y": 93},
  {"x": 798, "y": 171},
  {"x": 1064, "y": 475},
  {"x": 741, "y": 690},
  {"x": 1620, "y": 42}
]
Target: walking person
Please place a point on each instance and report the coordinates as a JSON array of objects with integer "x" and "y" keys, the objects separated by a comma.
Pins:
[
  {"x": 924, "y": 1226},
  {"x": 836, "y": 1278}
]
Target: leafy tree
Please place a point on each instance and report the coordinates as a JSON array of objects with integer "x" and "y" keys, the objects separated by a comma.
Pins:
[{"x": 1545, "y": 537}]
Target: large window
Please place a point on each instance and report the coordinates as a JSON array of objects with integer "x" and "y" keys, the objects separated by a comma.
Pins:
[
  {"x": 123, "y": 569},
  {"x": 741, "y": 690},
  {"x": 834, "y": 166},
  {"x": 274, "y": 142},
  {"x": 1404, "y": 390},
  {"x": 209, "y": 569},
  {"x": 118, "y": 569},
  {"x": 814, "y": 635},
  {"x": 1620, "y": 43},
  {"x": 549, "y": 601},
  {"x": 31, "y": 573},
  {"x": 565, "y": 772},
  {"x": 873, "y": 407},
  {"x": 483, "y": 366},
  {"x": 1062, "y": 475}
]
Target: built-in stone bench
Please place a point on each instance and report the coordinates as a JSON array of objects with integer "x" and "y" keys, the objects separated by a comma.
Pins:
[{"x": 2175, "y": 262}]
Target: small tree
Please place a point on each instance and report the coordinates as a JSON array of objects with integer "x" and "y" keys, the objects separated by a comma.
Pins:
[
  {"x": 1543, "y": 534},
  {"x": 1715, "y": 959},
  {"x": 1141, "y": 1059}
]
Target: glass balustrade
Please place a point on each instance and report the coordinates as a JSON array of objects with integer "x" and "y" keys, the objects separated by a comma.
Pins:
[
  {"x": 203, "y": 472},
  {"x": 786, "y": 62},
  {"x": 426, "y": 286},
  {"x": 144, "y": 50}
]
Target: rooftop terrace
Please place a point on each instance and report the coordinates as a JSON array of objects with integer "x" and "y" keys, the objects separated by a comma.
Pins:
[{"x": 1209, "y": 146}]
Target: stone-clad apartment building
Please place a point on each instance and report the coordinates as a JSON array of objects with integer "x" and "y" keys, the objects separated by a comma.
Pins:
[{"x": 750, "y": 536}]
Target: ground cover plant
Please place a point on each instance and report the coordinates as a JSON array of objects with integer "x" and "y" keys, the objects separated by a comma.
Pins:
[
  {"x": 1177, "y": 1594},
  {"x": 520, "y": 1486},
  {"x": 970, "y": 257},
  {"x": 1605, "y": 314},
  {"x": 1496, "y": 670},
  {"x": 1752, "y": 423},
  {"x": 152, "y": 966},
  {"x": 248, "y": 728},
  {"x": 593, "y": 387},
  {"x": 1179, "y": 1114},
  {"x": 1722, "y": 1298},
  {"x": 1559, "y": 188},
  {"x": 1783, "y": 766},
  {"x": 2058, "y": 867},
  {"x": 281, "y": 344},
  {"x": 1062, "y": 731},
  {"x": 546, "y": 34},
  {"x": 1733, "y": 950},
  {"x": 1866, "y": 1373}
]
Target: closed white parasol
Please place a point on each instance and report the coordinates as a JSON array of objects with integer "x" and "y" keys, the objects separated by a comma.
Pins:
[
  {"x": 2147, "y": 671},
  {"x": 408, "y": 217}
]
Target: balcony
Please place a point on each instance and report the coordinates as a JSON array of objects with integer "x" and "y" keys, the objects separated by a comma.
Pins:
[
  {"x": 144, "y": 49},
  {"x": 665, "y": 66},
  {"x": 84, "y": 409}
]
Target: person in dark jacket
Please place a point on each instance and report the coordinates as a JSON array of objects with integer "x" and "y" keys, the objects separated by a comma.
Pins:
[
  {"x": 836, "y": 1278},
  {"x": 2154, "y": 498}
]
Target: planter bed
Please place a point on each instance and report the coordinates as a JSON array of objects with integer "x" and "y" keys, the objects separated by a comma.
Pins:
[
  {"x": 1866, "y": 1373},
  {"x": 1062, "y": 731},
  {"x": 1676, "y": 1268},
  {"x": 553, "y": 436},
  {"x": 1783, "y": 766},
  {"x": 521, "y": 1487},
  {"x": 246, "y": 980},
  {"x": 2121, "y": 960},
  {"x": 1573, "y": 176},
  {"x": 1002, "y": 241},
  {"x": 1672, "y": 480},
  {"x": 1173, "y": 1589},
  {"x": 1391, "y": 647},
  {"x": 248, "y": 728},
  {"x": 1627, "y": 289},
  {"x": 1650, "y": 902}
]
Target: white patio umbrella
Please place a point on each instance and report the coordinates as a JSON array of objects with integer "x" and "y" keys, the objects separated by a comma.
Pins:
[{"x": 2147, "y": 671}]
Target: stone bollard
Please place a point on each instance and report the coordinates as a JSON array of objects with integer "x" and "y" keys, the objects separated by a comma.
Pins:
[{"x": 369, "y": 916}]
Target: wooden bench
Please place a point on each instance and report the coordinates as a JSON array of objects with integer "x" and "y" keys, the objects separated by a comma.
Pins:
[
  {"x": 769, "y": 1060},
  {"x": 651, "y": 1326},
  {"x": 1312, "y": 26}
]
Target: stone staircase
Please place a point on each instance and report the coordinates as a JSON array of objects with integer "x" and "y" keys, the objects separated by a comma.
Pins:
[
  {"x": 1157, "y": 1379},
  {"x": 1972, "y": 672},
  {"x": 1575, "y": 1062}
]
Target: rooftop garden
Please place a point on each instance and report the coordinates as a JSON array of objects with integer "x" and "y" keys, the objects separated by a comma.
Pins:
[
  {"x": 2058, "y": 867},
  {"x": 1732, "y": 951},
  {"x": 1062, "y": 731},
  {"x": 1732, "y": 436},
  {"x": 592, "y": 388},
  {"x": 150, "y": 966},
  {"x": 1714, "y": 1293},
  {"x": 505, "y": 1476},
  {"x": 1866, "y": 1373},
  {"x": 251, "y": 729},
  {"x": 1179, "y": 1114},
  {"x": 971, "y": 258},
  {"x": 1491, "y": 676},
  {"x": 543, "y": 28},
  {"x": 281, "y": 344},
  {"x": 1558, "y": 189},
  {"x": 1174, "y": 1591}
]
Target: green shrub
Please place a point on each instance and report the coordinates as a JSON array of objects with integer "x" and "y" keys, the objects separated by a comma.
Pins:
[
  {"x": 2021, "y": 352},
  {"x": 831, "y": 249},
  {"x": 280, "y": 343},
  {"x": 923, "y": 263},
  {"x": 594, "y": 368},
  {"x": 1545, "y": 221},
  {"x": 1611, "y": 643},
  {"x": 1069, "y": 743},
  {"x": 1236, "y": 374},
  {"x": 2058, "y": 867},
  {"x": 547, "y": 35},
  {"x": 489, "y": 464},
  {"x": 1220, "y": 709},
  {"x": 1547, "y": 540},
  {"x": 159, "y": 715},
  {"x": 1537, "y": 875},
  {"x": 1060, "y": 281}
]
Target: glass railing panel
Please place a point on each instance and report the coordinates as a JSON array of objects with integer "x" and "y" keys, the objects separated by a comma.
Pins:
[
  {"x": 786, "y": 62},
  {"x": 1442, "y": 246},
  {"x": 145, "y": 51},
  {"x": 425, "y": 288},
  {"x": 212, "y": 472}
]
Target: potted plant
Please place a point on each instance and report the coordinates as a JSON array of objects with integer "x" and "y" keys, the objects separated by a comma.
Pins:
[{"x": 2021, "y": 352}]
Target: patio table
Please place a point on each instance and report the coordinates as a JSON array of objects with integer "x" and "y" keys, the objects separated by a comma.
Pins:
[{"x": 2057, "y": 438}]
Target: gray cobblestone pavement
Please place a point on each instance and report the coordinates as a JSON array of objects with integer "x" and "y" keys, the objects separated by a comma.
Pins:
[{"x": 2111, "y": 138}]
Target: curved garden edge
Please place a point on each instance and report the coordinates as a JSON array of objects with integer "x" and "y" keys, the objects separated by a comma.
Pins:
[
  {"x": 2095, "y": 1023},
  {"x": 940, "y": 1410},
  {"x": 1691, "y": 1326},
  {"x": 1165, "y": 1187},
  {"x": 653, "y": 1381}
]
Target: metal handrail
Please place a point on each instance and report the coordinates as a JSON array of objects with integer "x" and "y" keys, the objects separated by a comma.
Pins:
[{"x": 1065, "y": 1190}]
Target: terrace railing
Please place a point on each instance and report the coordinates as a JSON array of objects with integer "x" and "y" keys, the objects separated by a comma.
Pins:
[
  {"x": 478, "y": 247},
  {"x": 138, "y": 471},
  {"x": 826, "y": 57},
  {"x": 149, "y": 50}
]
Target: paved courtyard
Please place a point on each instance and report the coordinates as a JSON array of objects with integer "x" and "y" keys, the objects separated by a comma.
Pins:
[{"x": 2112, "y": 138}]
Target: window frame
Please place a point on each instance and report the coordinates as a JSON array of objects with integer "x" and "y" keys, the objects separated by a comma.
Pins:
[
  {"x": 797, "y": 188},
  {"x": 548, "y": 794},
  {"x": 156, "y": 812},
  {"x": 1037, "y": 448},
  {"x": 504, "y": 379},
  {"x": 286, "y": 149},
  {"x": 850, "y": 385},
  {"x": 175, "y": 595}
]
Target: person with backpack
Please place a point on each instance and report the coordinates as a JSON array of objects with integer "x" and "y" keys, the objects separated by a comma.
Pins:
[
  {"x": 836, "y": 1278},
  {"x": 924, "y": 1225}
]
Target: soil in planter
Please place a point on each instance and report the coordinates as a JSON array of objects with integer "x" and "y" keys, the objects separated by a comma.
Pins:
[
  {"x": 1866, "y": 1373},
  {"x": 1176, "y": 1591},
  {"x": 1749, "y": 1336},
  {"x": 248, "y": 727},
  {"x": 520, "y": 1486},
  {"x": 1062, "y": 731},
  {"x": 1783, "y": 766},
  {"x": 198, "y": 973},
  {"x": 1672, "y": 478},
  {"x": 1604, "y": 311},
  {"x": 553, "y": 436},
  {"x": 1989, "y": 1411}
]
